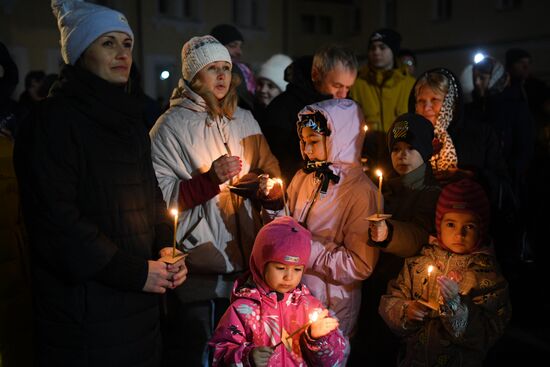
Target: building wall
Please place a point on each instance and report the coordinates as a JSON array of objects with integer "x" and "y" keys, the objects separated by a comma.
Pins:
[{"x": 294, "y": 27}]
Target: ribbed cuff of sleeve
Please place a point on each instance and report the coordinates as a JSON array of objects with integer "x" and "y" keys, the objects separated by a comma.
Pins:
[{"x": 197, "y": 190}]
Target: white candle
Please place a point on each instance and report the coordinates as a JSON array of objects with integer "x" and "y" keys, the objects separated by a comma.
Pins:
[
  {"x": 175, "y": 214},
  {"x": 280, "y": 182},
  {"x": 379, "y": 201},
  {"x": 430, "y": 281}
]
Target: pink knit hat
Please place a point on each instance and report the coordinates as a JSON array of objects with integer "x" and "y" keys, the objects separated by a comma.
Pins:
[
  {"x": 283, "y": 240},
  {"x": 464, "y": 196}
]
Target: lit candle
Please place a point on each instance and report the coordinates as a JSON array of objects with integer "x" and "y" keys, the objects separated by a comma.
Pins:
[
  {"x": 175, "y": 214},
  {"x": 430, "y": 270},
  {"x": 280, "y": 182},
  {"x": 312, "y": 318},
  {"x": 379, "y": 201},
  {"x": 365, "y": 128}
]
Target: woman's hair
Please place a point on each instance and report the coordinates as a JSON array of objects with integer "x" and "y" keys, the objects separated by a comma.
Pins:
[
  {"x": 218, "y": 108},
  {"x": 436, "y": 81}
]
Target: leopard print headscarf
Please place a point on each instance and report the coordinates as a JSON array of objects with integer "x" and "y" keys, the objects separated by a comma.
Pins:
[{"x": 445, "y": 156}]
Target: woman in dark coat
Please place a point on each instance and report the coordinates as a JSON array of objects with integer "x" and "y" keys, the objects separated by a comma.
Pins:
[{"x": 95, "y": 214}]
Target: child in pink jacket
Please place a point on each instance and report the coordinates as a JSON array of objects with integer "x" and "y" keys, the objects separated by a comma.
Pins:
[{"x": 273, "y": 320}]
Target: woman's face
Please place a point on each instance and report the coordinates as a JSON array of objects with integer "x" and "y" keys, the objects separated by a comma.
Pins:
[
  {"x": 216, "y": 78},
  {"x": 314, "y": 145},
  {"x": 428, "y": 103},
  {"x": 110, "y": 57},
  {"x": 266, "y": 90}
]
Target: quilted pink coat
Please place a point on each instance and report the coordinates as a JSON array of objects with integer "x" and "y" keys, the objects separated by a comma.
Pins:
[{"x": 258, "y": 317}]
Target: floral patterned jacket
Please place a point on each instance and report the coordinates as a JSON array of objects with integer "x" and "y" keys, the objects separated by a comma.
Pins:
[
  {"x": 458, "y": 334},
  {"x": 256, "y": 318}
]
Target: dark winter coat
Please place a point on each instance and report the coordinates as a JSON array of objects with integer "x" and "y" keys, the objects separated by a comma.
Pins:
[
  {"x": 95, "y": 216},
  {"x": 279, "y": 125}
]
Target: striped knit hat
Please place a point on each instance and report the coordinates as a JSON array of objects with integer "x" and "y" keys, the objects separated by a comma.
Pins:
[{"x": 464, "y": 196}]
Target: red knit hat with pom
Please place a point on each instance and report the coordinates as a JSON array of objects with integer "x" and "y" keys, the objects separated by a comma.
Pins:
[{"x": 464, "y": 196}]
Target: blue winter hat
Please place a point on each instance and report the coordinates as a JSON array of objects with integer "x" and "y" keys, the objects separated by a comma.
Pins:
[{"x": 81, "y": 23}]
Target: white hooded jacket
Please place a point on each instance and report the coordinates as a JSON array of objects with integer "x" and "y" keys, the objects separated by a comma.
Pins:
[{"x": 184, "y": 142}]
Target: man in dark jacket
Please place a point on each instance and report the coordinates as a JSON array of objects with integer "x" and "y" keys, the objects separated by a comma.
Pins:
[{"x": 330, "y": 73}]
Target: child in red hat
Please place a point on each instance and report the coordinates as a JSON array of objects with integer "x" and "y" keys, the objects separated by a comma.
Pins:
[
  {"x": 451, "y": 303},
  {"x": 273, "y": 320}
]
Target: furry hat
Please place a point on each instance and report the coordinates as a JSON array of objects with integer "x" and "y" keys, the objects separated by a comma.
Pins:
[
  {"x": 199, "y": 52},
  {"x": 283, "y": 240},
  {"x": 414, "y": 130},
  {"x": 81, "y": 23},
  {"x": 274, "y": 70},
  {"x": 464, "y": 196}
]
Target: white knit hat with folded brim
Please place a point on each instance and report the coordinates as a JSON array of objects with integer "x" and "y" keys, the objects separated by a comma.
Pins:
[
  {"x": 199, "y": 52},
  {"x": 81, "y": 23},
  {"x": 274, "y": 70}
]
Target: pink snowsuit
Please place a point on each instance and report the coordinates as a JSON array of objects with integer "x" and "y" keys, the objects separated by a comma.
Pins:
[{"x": 257, "y": 317}]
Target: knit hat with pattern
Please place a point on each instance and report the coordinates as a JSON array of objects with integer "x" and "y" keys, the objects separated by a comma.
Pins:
[
  {"x": 199, "y": 52},
  {"x": 414, "y": 130},
  {"x": 81, "y": 23}
]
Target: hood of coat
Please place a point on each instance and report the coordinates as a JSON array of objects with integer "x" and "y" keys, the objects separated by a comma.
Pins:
[
  {"x": 104, "y": 102},
  {"x": 345, "y": 120},
  {"x": 245, "y": 287},
  {"x": 458, "y": 100},
  {"x": 184, "y": 96}
]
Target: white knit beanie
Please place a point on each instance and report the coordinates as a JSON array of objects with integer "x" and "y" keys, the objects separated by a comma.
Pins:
[
  {"x": 274, "y": 70},
  {"x": 199, "y": 52},
  {"x": 81, "y": 23}
]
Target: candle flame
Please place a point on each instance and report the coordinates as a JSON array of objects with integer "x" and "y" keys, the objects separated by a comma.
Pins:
[
  {"x": 174, "y": 212},
  {"x": 430, "y": 269},
  {"x": 314, "y": 316},
  {"x": 365, "y": 128},
  {"x": 378, "y": 173}
]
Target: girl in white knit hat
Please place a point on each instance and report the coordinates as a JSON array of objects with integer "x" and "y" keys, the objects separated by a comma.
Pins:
[{"x": 201, "y": 147}]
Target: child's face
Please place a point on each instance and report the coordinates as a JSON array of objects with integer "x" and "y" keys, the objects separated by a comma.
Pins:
[
  {"x": 314, "y": 144},
  {"x": 460, "y": 232},
  {"x": 281, "y": 277},
  {"x": 404, "y": 158}
]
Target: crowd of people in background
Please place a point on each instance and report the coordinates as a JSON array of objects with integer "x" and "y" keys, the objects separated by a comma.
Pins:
[{"x": 279, "y": 211}]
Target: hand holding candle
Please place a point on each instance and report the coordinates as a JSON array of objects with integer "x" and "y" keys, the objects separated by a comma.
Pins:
[
  {"x": 313, "y": 317},
  {"x": 323, "y": 325}
]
